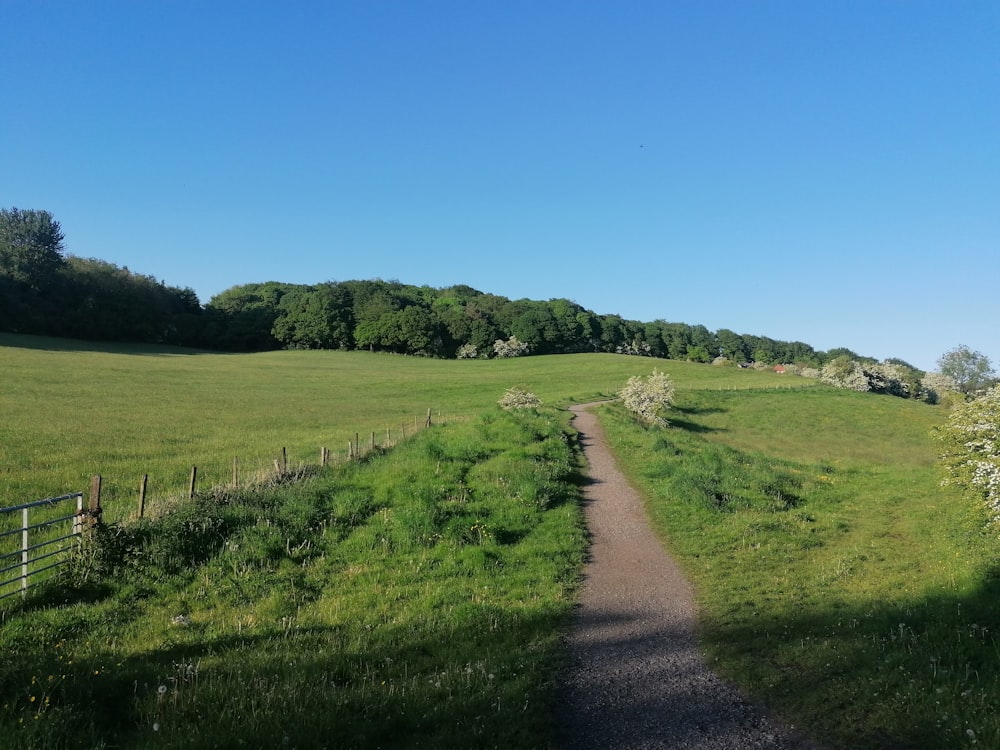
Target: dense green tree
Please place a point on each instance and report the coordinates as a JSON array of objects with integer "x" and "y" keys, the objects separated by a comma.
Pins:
[
  {"x": 731, "y": 345},
  {"x": 970, "y": 369},
  {"x": 676, "y": 338},
  {"x": 31, "y": 247},
  {"x": 697, "y": 353},
  {"x": 242, "y": 318},
  {"x": 103, "y": 301},
  {"x": 320, "y": 317},
  {"x": 41, "y": 291}
]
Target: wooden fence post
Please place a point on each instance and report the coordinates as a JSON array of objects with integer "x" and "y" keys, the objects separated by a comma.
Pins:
[
  {"x": 284, "y": 460},
  {"x": 142, "y": 495},
  {"x": 428, "y": 418},
  {"x": 373, "y": 441},
  {"x": 194, "y": 481},
  {"x": 94, "y": 509}
]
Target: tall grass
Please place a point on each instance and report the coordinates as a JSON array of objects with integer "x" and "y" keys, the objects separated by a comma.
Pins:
[
  {"x": 837, "y": 580},
  {"x": 412, "y": 600}
]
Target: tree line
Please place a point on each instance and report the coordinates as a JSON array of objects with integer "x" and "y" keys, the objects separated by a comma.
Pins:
[{"x": 45, "y": 291}]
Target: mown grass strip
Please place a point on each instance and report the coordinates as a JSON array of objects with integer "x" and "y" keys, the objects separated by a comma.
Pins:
[{"x": 412, "y": 600}]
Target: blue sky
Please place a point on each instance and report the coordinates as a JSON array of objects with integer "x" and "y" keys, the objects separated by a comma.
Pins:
[{"x": 826, "y": 172}]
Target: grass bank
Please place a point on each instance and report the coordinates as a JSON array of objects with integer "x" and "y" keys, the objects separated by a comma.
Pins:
[
  {"x": 837, "y": 580},
  {"x": 412, "y": 600}
]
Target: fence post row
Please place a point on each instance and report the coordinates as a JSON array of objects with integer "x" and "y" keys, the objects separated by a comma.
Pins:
[{"x": 92, "y": 516}]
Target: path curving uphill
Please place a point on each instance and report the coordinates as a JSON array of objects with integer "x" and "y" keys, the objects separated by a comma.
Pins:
[{"x": 636, "y": 678}]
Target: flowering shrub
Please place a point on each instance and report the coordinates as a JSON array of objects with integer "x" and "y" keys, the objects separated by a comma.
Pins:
[
  {"x": 891, "y": 378},
  {"x": 509, "y": 348},
  {"x": 647, "y": 398},
  {"x": 845, "y": 372},
  {"x": 971, "y": 440},
  {"x": 936, "y": 387},
  {"x": 518, "y": 398},
  {"x": 636, "y": 349},
  {"x": 467, "y": 351}
]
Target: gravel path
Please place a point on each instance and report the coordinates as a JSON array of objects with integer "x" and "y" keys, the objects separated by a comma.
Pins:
[{"x": 636, "y": 678}]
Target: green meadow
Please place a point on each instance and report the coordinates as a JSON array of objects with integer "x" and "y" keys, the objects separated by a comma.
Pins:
[
  {"x": 416, "y": 598},
  {"x": 71, "y": 410}
]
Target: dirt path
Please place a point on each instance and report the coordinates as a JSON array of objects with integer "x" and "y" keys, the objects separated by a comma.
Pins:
[{"x": 636, "y": 678}]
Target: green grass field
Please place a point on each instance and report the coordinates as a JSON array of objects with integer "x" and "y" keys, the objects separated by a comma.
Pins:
[
  {"x": 418, "y": 594},
  {"x": 69, "y": 410}
]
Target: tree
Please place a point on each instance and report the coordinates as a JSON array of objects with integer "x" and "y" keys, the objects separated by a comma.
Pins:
[
  {"x": 31, "y": 247},
  {"x": 315, "y": 318},
  {"x": 971, "y": 370},
  {"x": 242, "y": 317}
]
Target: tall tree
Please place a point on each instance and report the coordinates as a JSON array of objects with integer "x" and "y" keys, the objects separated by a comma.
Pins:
[
  {"x": 31, "y": 247},
  {"x": 970, "y": 369}
]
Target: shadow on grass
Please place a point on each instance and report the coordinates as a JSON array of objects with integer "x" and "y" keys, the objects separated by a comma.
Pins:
[
  {"x": 688, "y": 423},
  {"x": 383, "y": 684},
  {"x": 52, "y": 344},
  {"x": 919, "y": 676}
]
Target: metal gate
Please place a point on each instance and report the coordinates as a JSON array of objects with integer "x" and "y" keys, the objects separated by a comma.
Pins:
[{"x": 42, "y": 545}]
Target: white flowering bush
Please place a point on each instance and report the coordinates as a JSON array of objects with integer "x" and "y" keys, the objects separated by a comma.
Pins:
[
  {"x": 467, "y": 351},
  {"x": 971, "y": 443},
  {"x": 636, "y": 349},
  {"x": 509, "y": 348},
  {"x": 936, "y": 387},
  {"x": 518, "y": 398},
  {"x": 647, "y": 398},
  {"x": 891, "y": 378},
  {"x": 844, "y": 372}
]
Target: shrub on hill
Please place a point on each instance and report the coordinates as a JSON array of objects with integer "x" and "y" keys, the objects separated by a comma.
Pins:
[
  {"x": 647, "y": 398},
  {"x": 518, "y": 398},
  {"x": 971, "y": 448}
]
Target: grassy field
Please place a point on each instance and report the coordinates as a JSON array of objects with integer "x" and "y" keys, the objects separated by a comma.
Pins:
[
  {"x": 413, "y": 600},
  {"x": 420, "y": 594},
  {"x": 69, "y": 410}
]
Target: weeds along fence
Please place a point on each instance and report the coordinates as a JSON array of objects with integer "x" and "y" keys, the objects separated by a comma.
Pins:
[
  {"x": 36, "y": 538},
  {"x": 124, "y": 498}
]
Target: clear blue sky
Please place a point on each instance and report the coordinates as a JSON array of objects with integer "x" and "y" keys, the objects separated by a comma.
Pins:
[{"x": 827, "y": 172}]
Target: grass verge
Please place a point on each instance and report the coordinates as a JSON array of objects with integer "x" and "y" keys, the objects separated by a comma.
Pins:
[
  {"x": 411, "y": 600},
  {"x": 837, "y": 580}
]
